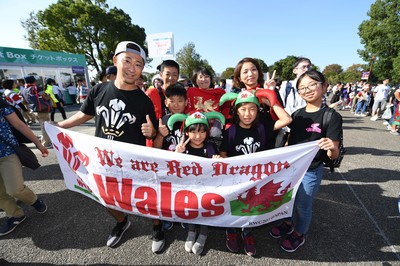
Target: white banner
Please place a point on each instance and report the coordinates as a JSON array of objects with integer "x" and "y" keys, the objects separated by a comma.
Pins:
[
  {"x": 160, "y": 45},
  {"x": 242, "y": 191}
]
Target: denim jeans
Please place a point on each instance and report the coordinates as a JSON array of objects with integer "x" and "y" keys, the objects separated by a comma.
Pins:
[
  {"x": 394, "y": 107},
  {"x": 361, "y": 107},
  {"x": 302, "y": 211}
]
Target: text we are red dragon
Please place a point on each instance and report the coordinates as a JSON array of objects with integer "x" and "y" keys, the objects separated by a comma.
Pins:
[{"x": 185, "y": 203}]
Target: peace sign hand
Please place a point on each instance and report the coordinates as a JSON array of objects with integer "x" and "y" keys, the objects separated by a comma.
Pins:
[
  {"x": 270, "y": 82},
  {"x": 181, "y": 147}
]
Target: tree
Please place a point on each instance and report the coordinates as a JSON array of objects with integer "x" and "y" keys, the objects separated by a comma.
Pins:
[
  {"x": 263, "y": 65},
  {"x": 284, "y": 68},
  {"x": 332, "y": 73},
  {"x": 227, "y": 73},
  {"x": 380, "y": 36},
  {"x": 353, "y": 73},
  {"x": 87, "y": 27},
  {"x": 188, "y": 60}
]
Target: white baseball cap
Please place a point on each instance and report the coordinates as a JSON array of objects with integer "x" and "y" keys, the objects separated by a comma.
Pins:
[{"x": 132, "y": 47}]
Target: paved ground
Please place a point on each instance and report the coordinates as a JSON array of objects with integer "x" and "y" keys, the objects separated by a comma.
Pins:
[{"x": 356, "y": 219}]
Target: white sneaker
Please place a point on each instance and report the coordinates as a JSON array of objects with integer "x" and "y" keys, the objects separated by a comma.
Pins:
[
  {"x": 190, "y": 241},
  {"x": 374, "y": 118},
  {"x": 385, "y": 123},
  {"x": 394, "y": 133},
  {"x": 363, "y": 115},
  {"x": 198, "y": 247},
  {"x": 158, "y": 239},
  {"x": 389, "y": 127}
]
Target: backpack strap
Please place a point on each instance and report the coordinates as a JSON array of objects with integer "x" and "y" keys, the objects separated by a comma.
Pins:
[
  {"x": 261, "y": 134},
  {"x": 326, "y": 118},
  {"x": 210, "y": 149},
  {"x": 231, "y": 135},
  {"x": 288, "y": 89}
]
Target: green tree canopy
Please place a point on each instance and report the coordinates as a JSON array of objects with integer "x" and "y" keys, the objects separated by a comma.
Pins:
[
  {"x": 87, "y": 27},
  {"x": 227, "y": 73},
  {"x": 284, "y": 68},
  {"x": 380, "y": 36},
  {"x": 188, "y": 60},
  {"x": 263, "y": 65},
  {"x": 353, "y": 73},
  {"x": 332, "y": 73}
]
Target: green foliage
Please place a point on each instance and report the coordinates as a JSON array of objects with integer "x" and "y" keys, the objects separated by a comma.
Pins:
[
  {"x": 284, "y": 68},
  {"x": 380, "y": 36},
  {"x": 87, "y": 27},
  {"x": 353, "y": 73},
  {"x": 188, "y": 60},
  {"x": 227, "y": 73},
  {"x": 263, "y": 65},
  {"x": 332, "y": 73}
]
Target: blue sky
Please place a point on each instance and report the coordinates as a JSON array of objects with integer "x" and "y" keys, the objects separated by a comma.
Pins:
[{"x": 226, "y": 31}]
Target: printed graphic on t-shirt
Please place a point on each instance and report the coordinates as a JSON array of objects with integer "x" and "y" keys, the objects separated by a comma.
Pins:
[
  {"x": 314, "y": 128},
  {"x": 249, "y": 146},
  {"x": 173, "y": 139},
  {"x": 114, "y": 118},
  {"x": 207, "y": 106}
]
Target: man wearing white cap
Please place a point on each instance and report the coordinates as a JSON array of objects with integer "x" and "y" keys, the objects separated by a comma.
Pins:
[{"x": 135, "y": 117}]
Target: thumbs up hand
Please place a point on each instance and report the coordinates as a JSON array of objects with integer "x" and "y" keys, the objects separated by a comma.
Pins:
[
  {"x": 147, "y": 128},
  {"x": 162, "y": 129}
]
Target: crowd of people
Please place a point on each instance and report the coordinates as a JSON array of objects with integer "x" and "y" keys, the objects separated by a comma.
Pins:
[
  {"x": 191, "y": 116},
  {"x": 381, "y": 102}
]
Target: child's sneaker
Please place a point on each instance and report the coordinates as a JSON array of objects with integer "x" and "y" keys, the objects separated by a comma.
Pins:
[
  {"x": 11, "y": 224},
  {"x": 198, "y": 247},
  {"x": 158, "y": 239},
  {"x": 249, "y": 244},
  {"x": 231, "y": 242},
  {"x": 117, "y": 232},
  {"x": 40, "y": 206},
  {"x": 191, "y": 238},
  {"x": 293, "y": 242},
  {"x": 281, "y": 230}
]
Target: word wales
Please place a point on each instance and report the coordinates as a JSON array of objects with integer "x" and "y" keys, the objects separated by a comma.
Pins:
[{"x": 242, "y": 191}]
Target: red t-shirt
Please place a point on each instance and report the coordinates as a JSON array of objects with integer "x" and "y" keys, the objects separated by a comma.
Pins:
[
  {"x": 206, "y": 100},
  {"x": 156, "y": 99}
]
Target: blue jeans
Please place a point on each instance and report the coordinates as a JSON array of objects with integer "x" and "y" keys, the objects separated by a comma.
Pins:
[
  {"x": 394, "y": 107},
  {"x": 361, "y": 107},
  {"x": 302, "y": 211}
]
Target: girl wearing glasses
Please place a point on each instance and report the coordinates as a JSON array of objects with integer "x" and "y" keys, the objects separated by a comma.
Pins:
[{"x": 306, "y": 126}]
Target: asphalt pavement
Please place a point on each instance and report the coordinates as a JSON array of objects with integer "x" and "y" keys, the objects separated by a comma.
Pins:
[{"x": 356, "y": 218}]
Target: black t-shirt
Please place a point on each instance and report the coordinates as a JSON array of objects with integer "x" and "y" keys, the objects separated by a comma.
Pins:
[
  {"x": 119, "y": 113},
  {"x": 266, "y": 119},
  {"x": 308, "y": 127},
  {"x": 174, "y": 137},
  {"x": 208, "y": 150},
  {"x": 246, "y": 140}
]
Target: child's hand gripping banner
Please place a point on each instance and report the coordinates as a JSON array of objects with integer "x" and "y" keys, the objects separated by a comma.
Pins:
[{"x": 243, "y": 191}]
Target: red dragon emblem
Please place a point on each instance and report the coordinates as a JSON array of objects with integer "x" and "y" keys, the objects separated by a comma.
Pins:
[{"x": 267, "y": 197}]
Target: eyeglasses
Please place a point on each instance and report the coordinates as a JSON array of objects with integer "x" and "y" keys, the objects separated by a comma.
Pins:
[
  {"x": 304, "y": 67},
  {"x": 311, "y": 87}
]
